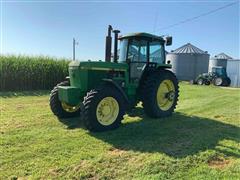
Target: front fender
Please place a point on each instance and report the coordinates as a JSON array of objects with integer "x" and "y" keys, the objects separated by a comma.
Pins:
[{"x": 117, "y": 87}]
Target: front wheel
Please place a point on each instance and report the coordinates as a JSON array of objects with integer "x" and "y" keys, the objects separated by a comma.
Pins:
[
  {"x": 200, "y": 81},
  {"x": 62, "y": 109},
  {"x": 160, "y": 94},
  {"x": 207, "y": 82},
  {"x": 103, "y": 109}
]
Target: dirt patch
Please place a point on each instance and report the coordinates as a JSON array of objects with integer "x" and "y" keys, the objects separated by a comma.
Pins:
[
  {"x": 83, "y": 165},
  {"x": 116, "y": 152},
  {"x": 54, "y": 172},
  {"x": 87, "y": 170},
  {"x": 2, "y": 108},
  {"x": 219, "y": 163},
  {"x": 20, "y": 107}
]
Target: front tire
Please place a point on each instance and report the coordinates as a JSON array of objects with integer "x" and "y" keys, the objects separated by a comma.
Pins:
[
  {"x": 103, "y": 109},
  {"x": 200, "y": 81},
  {"x": 160, "y": 94},
  {"x": 61, "y": 109},
  {"x": 207, "y": 82}
]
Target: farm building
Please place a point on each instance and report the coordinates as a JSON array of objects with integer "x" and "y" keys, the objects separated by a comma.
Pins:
[
  {"x": 218, "y": 60},
  {"x": 188, "y": 61},
  {"x": 233, "y": 72}
]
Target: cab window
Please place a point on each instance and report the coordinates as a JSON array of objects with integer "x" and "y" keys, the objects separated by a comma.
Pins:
[
  {"x": 156, "y": 52},
  {"x": 137, "y": 51},
  {"x": 123, "y": 50},
  {"x": 219, "y": 71}
]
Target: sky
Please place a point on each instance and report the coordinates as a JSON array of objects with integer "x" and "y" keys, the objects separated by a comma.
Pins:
[{"x": 47, "y": 27}]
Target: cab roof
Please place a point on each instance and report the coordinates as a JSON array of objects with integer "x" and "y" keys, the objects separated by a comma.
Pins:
[{"x": 141, "y": 34}]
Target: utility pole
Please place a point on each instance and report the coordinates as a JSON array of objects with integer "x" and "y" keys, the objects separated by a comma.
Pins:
[{"x": 74, "y": 47}]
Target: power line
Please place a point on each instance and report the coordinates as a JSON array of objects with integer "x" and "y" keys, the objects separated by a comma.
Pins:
[{"x": 196, "y": 17}]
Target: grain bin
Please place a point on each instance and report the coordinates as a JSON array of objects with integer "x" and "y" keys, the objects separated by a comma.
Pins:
[
  {"x": 188, "y": 61},
  {"x": 219, "y": 60},
  {"x": 233, "y": 72}
]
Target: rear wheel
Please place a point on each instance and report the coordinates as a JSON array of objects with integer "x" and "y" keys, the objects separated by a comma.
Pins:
[
  {"x": 103, "y": 109},
  {"x": 160, "y": 94},
  {"x": 218, "y": 81},
  {"x": 62, "y": 109},
  {"x": 227, "y": 81}
]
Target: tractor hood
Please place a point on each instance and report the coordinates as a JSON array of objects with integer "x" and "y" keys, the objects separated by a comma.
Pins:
[
  {"x": 84, "y": 76},
  {"x": 98, "y": 65}
]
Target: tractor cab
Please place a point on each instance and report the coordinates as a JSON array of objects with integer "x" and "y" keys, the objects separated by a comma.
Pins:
[
  {"x": 219, "y": 71},
  {"x": 142, "y": 51},
  {"x": 142, "y": 47}
]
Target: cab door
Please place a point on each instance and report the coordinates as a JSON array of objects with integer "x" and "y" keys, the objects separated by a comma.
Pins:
[{"x": 138, "y": 58}]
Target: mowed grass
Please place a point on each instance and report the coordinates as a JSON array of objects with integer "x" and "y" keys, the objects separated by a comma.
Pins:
[{"x": 200, "y": 141}]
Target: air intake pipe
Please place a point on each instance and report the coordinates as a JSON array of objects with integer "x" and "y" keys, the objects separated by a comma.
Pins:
[
  {"x": 115, "y": 57},
  {"x": 108, "y": 48}
]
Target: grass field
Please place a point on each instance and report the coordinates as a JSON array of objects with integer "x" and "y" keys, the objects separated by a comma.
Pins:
[{"x": 200, "y": 141}]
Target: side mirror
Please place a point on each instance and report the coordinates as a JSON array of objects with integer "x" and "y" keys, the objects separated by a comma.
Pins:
[{"x": 168, "y": 40}]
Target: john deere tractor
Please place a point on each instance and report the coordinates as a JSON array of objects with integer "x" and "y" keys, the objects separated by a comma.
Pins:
[
  {"x": 218, "y": 77},
  {"x": 100, "y": 92}
]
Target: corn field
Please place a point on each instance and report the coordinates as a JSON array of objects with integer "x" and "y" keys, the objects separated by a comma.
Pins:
[{"x": 31, "y": 73}]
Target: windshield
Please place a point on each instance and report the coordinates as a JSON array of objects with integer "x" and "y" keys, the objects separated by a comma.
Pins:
[
  {"x": 123, "y": 50},
  {"x": 137, "y": 51},
  {"x": 219, "y": 71}
]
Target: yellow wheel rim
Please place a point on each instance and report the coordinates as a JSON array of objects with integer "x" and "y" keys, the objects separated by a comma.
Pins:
[
  {"x": 165, "y": 95},
  {"x": 107, "y": 111},
  {"x": 68, "y": 108}
]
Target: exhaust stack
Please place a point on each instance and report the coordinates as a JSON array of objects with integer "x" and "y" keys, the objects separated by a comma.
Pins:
[
  {"x": 108, "y": 45},
  {"x": 116, "y": 32}
]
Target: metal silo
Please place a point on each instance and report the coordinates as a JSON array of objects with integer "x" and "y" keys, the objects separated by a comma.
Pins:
[
  {"x": 233, "y": 72},
  {"x": 188, "y": 62},
  {"x": 218, "y": 60}
]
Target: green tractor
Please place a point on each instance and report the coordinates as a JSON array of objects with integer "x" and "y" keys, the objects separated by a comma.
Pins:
[
  {"x": 218, "y": 77},
  {"x": 101, "y": 92}
]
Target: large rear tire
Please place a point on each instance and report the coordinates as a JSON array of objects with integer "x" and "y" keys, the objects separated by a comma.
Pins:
[
  {"x": 227, "y": 81},
  {"x": 61, "y": 109},
  {"x": 103, "y": 109},
  {"x": 160, "y": 94},
  {"x": 218, "y": 81}
]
